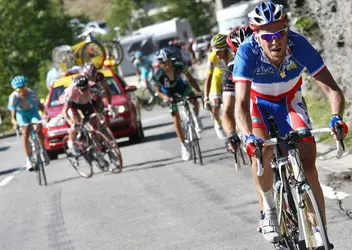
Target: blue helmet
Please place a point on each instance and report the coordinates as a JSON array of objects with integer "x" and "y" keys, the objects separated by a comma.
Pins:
[
  {"x": 163, "y": 55},
  {"x": 138, "y": 54},
  {"x": 265, "y": 13},
  {"x": 18, "y": 82}
]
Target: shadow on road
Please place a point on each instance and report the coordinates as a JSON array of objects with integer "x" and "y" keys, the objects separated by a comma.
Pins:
[
  {"x": 4, "y": 148},
  {"x": 157, "y": 125},
  {"x": 153, "y": 161},
  {"x": 9, "y": 171},
  {"x": 160, "y": 137}
]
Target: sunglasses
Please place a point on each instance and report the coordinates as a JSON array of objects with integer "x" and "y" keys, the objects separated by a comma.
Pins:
[
  {"x": 270, "y": 36},
  {"x": 20, "y": 90}
]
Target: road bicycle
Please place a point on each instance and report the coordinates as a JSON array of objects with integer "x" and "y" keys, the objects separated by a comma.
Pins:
[
  {"x": 239, "y": 156},
  {"x": 188, "y": 124},
  {"x": 93, "y": 146},
  {"x": 37, "y": 156},
  {"x": 300, "y": 220}
]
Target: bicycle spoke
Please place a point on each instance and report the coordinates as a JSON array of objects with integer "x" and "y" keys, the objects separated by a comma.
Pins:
[
  {"x": 316, "y": 233},
  {"x": 81, "y": 163}
]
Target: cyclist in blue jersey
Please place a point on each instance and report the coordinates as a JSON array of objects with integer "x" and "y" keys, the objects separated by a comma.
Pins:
[
  {"x": 24, "y": 105},
  {"x": 267, "y": 74},
  {"x": 143, "y": 69}
]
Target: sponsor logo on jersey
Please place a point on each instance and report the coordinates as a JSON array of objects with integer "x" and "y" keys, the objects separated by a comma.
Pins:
[
  {"x": 264, "y": 70},
  {"x": 256, "y": 119}
]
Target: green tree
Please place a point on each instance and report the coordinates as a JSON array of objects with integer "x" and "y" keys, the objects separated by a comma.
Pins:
[
  {"x": 29, "y": 31},
  {"x": 120, "y": 14}
]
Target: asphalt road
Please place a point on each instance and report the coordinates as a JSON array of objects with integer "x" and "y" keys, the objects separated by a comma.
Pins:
[{"x": 157, "y": 202}]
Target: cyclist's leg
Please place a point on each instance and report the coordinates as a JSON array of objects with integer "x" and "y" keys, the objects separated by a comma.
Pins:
[
  {"x": 298, "y": 118},
  {"x": 35, "y": 119},
  {"x": 216, "y": 94},
  {"x": 23, "y": 121},
  {"x": 72, "y": 132},
  {"x": 173, "y": 109},
  {"x": 270, "y": 228}
]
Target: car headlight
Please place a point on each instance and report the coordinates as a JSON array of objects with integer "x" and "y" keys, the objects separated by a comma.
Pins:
[{"x": 120, "y": 109}]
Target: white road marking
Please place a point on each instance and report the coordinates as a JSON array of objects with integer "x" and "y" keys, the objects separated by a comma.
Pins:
[
  {"x": 331, "y": 194},
  {"x": 6, "y": 180}
]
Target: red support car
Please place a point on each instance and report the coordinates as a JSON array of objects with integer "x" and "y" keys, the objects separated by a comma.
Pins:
[{"x": 126, "y": 123}]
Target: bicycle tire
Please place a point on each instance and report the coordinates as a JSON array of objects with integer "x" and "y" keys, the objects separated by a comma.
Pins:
[
  {"x": 108, "y": 148},
  {"x": 195, "y": 144},
  {"x": 74, "y": 162},
  {"x": 41, "y": 167},
  {"x": 98, "y": 58},
  {"x": 318, "y": 220},
  {"x": 118, "y": 52},
  {"x": 289, "y": 237},
  {"x": 35, "y": 163}
]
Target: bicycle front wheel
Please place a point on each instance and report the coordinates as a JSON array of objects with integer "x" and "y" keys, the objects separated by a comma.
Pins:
[
  {"x": 108, "y": 152},
  {"x": 316, "y": 235},
  {"x": 81, "y": 163}
]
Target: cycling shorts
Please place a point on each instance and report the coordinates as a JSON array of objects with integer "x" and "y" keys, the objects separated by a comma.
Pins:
[
  {"x": 86, "y": 109},
  {"x": 187, "y": 91},
  {"x": 98, "y": 104},
  {"x": 216, "y": 85},
  {"x": 26, "y": 117},
  {"x": 290, "y": 113}
]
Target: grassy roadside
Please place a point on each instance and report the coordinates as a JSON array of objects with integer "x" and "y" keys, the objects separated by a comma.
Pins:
[{"x": 319, "y": 112}]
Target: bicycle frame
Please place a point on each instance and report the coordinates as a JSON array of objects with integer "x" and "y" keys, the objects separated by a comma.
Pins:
[{"x": 291, "y": 172}]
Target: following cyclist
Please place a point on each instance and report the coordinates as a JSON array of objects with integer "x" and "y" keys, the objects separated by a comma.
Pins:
[
  {"x": 233, "y": 142},
  {"x": 98, "y": 87},
  {"x": 143, "y": 69},
  {"x": 24, "y": 105},
  {"x": 218, "y": 58},
  {"x": 78, "y": 99},
  {"x": 268, "y": 78},
  {"x": 168, "y": 82}
]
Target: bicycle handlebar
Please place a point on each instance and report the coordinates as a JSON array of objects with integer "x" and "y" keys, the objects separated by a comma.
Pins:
[{"x": 292, "y": 138}]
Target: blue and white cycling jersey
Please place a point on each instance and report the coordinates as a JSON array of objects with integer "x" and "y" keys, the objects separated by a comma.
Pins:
[
  {"x": 277, "y": 91},
  {"x": 27, "y": 111},
  {"x": 268, "y": 81},
  {"x": 144, "y": 67},
  {"x": 32, "y": 101}
]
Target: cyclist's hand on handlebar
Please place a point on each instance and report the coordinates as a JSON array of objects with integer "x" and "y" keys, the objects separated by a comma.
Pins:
[
  {"x": 207, "y": 104},
  {"x": 171, "y": 100},
  {"x": 250, "y": 144},
  {"x": 233, "y": 142},
  {"x": 344, "y": 128}
]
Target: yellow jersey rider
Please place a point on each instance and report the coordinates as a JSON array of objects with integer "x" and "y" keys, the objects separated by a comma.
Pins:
[{"x": 218, "y": 59}]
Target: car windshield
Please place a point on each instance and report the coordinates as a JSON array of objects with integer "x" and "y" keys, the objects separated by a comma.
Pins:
[{"x": 57, "y": 97}]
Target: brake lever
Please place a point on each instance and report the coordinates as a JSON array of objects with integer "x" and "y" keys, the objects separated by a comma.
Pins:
[
  {"x": 259, "y": 154},
  {"x": 339, "y": 143}
]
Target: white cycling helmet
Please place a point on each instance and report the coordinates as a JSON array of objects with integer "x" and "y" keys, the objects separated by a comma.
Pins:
[{"x": 265, "y": 13}]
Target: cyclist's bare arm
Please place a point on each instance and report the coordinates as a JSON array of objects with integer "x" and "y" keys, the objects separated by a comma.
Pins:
[
  {"x": 330, "y": 88},
  {"x": 243, "y": 117},
  {"x": 107, "y": 91},
  {"x": 65, "y": 113},
  {"x": 192, "y": 81},
  {"x": 13, "y": 117},
  {"x": 161, "y": 94},
  {"x": 228, "y": 115},
  {"x": 207, "y": 84}
]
